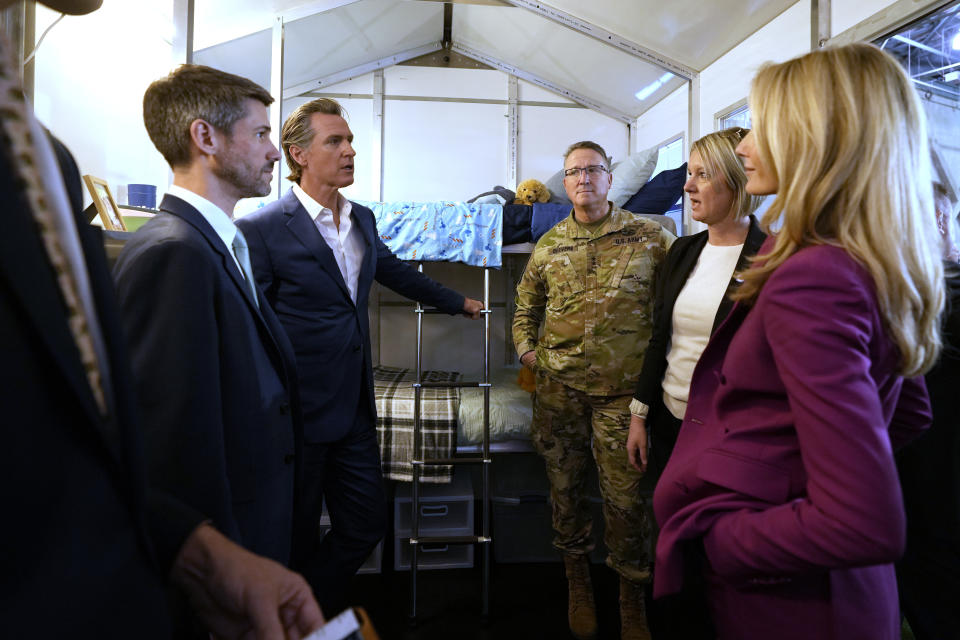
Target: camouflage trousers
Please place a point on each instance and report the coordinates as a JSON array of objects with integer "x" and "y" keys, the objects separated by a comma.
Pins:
[{"x": 566, "y": 422}]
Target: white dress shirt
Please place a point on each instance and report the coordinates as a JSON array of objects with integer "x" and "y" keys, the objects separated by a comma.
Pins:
[
  {"x": 346, "y": 242},
  {"x": 221, "y": 222},
  {"x": 693, "y": 314}
]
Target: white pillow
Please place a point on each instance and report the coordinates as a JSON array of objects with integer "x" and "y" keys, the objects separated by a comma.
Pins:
[
  {"x": 631, "y": 174},
  {"x": 554, "y": 184}
]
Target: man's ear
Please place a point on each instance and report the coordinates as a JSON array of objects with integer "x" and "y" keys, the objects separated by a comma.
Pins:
[
  {"x": 298, "y": 154},
  {"x": 204, "y": 137}
]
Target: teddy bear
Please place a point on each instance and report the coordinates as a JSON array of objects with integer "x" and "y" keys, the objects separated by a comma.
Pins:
[{"x": 530, "y": 191}]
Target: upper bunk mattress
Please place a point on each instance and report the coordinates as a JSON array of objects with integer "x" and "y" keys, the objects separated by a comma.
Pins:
[{"x": 442, "y": 231}]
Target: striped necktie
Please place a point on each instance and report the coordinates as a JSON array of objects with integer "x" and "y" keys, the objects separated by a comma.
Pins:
[
  {"x": 242, "y": 252},
  {"x": 16, "y": 131}
]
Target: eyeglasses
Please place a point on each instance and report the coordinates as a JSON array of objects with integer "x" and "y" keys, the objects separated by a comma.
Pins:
[{"x": 594, "y": 171}]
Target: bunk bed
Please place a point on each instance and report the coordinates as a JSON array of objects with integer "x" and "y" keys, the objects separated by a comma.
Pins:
[
  {"x": 475, "y": 234},
  {"x": 421, "y": 436}
]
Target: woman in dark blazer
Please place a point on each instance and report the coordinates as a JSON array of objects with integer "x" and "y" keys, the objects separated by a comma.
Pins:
[
  {"x": 782, "y": 481},
  {"x": 692, "y": 293}
]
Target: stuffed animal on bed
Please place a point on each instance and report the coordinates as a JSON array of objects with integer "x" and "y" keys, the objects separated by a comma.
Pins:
[
  {"x": 530, "y": 191},
  {"x": 527, "y": 380}
]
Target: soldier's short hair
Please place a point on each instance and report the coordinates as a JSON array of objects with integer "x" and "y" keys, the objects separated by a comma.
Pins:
[
  {"x": 587, "y": 144},
  {"x": 195, "y": 92}
]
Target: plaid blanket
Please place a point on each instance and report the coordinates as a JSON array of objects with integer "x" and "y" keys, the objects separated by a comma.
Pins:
[{"x": 393, "y": 388}]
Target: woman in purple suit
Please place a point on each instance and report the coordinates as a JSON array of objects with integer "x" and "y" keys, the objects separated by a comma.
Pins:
[{"x": 781, "y": 495}]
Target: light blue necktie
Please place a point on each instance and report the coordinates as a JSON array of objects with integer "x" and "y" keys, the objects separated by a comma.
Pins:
[{"x": 243, "y": 257}]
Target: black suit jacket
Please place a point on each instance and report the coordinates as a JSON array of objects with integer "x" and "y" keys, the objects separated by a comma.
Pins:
[
  {"x": 680, "y": 261},
  {"x": 330, "y": 334},
  {"x": 85, "y": 544},
  {"x": 215, "y": 381}
]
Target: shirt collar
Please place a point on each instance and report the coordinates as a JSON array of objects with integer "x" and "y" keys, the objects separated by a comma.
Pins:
[
  {"x": 315, "y": 209},
  {"x": 218, "y": 219},
  {"x": 616, "y": 219}
]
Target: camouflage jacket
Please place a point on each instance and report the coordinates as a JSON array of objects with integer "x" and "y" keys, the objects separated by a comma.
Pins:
[{"x": 593, "y": 296}]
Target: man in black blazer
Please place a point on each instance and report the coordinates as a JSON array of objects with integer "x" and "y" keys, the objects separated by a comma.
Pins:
[
  {"x": 214, "y": 370},
  {"x": 316, "y": 254},
  {"x": 88, "y": 547}
]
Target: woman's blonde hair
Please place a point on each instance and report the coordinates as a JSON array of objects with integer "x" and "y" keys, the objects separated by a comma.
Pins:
[
  {"x": 717, "y": 151},
  {"x": 844, "y": 133}
]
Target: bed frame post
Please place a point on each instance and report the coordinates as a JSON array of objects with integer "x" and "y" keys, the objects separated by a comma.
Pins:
[
  {"x": 377, "y": 154},
  {"x": 513, "y": 126}
]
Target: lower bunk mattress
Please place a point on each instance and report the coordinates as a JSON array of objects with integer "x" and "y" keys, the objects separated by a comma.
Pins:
[{"x": 451, "y": 419}]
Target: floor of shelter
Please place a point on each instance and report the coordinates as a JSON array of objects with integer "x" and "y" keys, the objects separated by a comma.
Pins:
[{"x": 527, "y": 601}]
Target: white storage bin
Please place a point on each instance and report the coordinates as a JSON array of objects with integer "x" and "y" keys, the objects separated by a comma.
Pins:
[
  {"x": 447, "y": 507},
  {"x": 431, "y": 555}
]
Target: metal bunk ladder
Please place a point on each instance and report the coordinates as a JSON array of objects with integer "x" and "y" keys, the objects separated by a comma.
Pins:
[{"x": 483, "y": 540}]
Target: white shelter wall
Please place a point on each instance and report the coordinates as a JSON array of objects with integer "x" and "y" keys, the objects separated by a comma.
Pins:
[
  {"x": 89, "y": 88},
  {"x": 664, "y": 120},
  {"x": 442, "y": 150},
  {"x": 546, "y": 132},
  {"x": 439, "y": 82},
  {"x": 728, "y": 79}
]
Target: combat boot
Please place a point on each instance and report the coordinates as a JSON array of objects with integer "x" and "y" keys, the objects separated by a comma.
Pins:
[
  {"x": 581, "y": 611},
  {"x": 633, "y": 614}
]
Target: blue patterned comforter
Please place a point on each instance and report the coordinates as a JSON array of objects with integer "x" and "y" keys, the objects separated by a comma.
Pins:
[{"x": 441, "y": 231}]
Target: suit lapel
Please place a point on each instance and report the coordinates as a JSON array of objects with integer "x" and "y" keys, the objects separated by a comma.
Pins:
[
  {"x": 303, "y": 227},
  {"x": 367, "y": 225},
  {"x": 181, "y": 209},
  {"x": 751, "y": 246},
  {"x": 25, "y": 266}
]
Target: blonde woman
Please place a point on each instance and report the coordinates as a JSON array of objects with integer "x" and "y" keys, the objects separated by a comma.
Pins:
[
  {"x": 782, "y": 492},
  {"x": 693, "y": 292}
]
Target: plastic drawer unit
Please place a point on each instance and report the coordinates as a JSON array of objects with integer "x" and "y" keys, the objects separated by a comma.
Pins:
[{"x": 445, "y": 510}]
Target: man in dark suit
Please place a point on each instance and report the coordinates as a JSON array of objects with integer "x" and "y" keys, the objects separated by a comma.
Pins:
[
  {"x": 214, "y": 370},
  {"x": 88, "y": 547},
  {"x": 316, "y": 254}
]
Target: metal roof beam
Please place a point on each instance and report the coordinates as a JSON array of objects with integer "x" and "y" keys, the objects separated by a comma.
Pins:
[
  {"x": 614, "y": 40},
  {"x": 359, "y": 70},
  {"x": 918, "y": 45},
  {"x": 590, "y": 103}
]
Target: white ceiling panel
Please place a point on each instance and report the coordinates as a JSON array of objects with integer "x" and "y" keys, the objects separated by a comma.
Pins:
[
  {"x": 693, "y": 32},
  {"x": 339, "y": 39},
  {"x": 560, "y": 55},
  {"x": 357, "y": 34},
  {"x": 248, "y": 56}
]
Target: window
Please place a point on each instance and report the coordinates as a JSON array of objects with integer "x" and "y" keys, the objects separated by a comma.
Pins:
[
  {"x": 736, "y": 115},
  {"x": 670, "y": 156}
]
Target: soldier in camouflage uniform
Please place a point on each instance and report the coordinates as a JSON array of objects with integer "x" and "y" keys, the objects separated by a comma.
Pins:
[{"x": 590, "y": 286}]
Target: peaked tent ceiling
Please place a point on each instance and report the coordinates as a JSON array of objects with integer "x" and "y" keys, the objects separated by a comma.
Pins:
[{"x": 330, "y": 40}]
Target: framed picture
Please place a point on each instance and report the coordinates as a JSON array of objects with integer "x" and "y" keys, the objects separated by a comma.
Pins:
[{"x": 105, "y": 204}]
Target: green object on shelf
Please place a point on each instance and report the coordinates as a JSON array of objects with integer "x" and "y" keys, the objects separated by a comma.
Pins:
[{"x": 134, "y": 222}]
